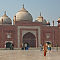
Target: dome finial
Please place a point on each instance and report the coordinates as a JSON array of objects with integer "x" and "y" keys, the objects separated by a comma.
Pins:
[
  {"x": 23, "y": 5},
  {"x": 5, "y": 12},
  {"x": 40, "y": 13}
]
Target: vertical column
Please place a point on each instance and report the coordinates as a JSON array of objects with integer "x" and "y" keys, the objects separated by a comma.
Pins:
[
  {"x": 53, "y": 35},
  {"x": 36, "y": 42},
  {"x": 39, "y": 37},
  {"x": 18, "y": 37},
  {"x": 14, "y": 22},
  {"x": 36, "y": 38},
  {"x": 53, "y": 22}
]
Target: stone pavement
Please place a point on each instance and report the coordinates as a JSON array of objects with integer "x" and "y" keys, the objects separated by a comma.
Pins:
[{"x": 28, "y": 55}]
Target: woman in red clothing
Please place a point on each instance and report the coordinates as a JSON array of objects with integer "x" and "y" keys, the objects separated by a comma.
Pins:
[{"x": 45, "y": 49}]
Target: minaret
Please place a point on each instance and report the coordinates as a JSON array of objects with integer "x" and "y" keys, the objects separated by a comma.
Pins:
[
  {"x": 53, "y": 22},
  {"x": 14, "y": 21}
]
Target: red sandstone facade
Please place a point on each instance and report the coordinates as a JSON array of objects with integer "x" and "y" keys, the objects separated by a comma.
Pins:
[
  {"x": 25, "y": 31},
  {"x": 47, "y": 33}
]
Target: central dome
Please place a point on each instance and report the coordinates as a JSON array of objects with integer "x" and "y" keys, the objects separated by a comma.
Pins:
[{"x": 23, "y": 15}]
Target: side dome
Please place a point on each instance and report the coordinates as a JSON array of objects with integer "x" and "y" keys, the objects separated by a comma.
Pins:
[
  {"x": 23, "y": 15},
  {"x": 6, "y": 19},
  {"x": 40, "y": 18}
]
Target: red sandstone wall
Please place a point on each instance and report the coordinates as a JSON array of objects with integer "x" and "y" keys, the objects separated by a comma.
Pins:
[
  {"x": 54, "y": 35},
  {"x": 4, "y": 29},
  {"x": 53, "y": 31}
]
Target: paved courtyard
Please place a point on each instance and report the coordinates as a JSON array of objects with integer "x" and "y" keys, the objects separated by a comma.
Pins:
[{"x": 28, "y": 55}]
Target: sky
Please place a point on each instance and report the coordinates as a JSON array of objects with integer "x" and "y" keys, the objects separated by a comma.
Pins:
[{"x": 50, "y": 9}]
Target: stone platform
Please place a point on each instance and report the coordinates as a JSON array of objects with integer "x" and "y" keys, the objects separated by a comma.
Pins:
[{"x": 28, "y": 55}]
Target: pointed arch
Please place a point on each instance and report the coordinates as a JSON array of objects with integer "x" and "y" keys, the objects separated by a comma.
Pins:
[
  {"x": 8, "y": 44},
  {"x": 30, "y": 39}
]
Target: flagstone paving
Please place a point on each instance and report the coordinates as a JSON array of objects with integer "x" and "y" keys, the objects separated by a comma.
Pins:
[{"x": 28, "y": 55}]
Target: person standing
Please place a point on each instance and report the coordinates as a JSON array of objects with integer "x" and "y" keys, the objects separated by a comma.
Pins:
[
  {"x": 45, "y": 49},
  {"x": 25, "y": 46},
  {"x": 41, "y": 47}
]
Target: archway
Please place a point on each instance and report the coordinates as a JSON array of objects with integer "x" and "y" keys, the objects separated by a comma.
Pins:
[
  {"x": 30, "y": 39},
  {"x": 8, "y": 44}
]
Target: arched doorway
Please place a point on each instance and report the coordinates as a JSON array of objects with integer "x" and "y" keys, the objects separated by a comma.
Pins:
[
  {"x": 8, "y": 44},
  {"x": 30, "y": 39}
]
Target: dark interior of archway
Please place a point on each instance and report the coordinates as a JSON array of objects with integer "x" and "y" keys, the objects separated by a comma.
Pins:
[
  {"x": 30, "y": 39},
  {"x": 8, "y": 44}
]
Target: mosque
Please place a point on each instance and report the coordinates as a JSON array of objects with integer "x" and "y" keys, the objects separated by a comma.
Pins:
[{"x": 26, "y": 31}]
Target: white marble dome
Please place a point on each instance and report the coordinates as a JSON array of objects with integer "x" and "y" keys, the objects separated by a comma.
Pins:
[
  {"x": 6, "y": 19},
  {"x": 23, "y": 15}
]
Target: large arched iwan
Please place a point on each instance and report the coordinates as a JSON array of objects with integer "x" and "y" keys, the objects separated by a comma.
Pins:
[{"x": 30, "y": 39}]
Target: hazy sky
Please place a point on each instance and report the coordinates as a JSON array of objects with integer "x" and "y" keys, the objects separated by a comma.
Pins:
[{"x": 50, "y": 9}]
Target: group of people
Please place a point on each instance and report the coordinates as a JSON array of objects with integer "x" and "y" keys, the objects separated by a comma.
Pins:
[
  {"x": 45, "y": 48},
  {"x": 11, "y": 47},
  {"x": 25, "y": 46}
]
